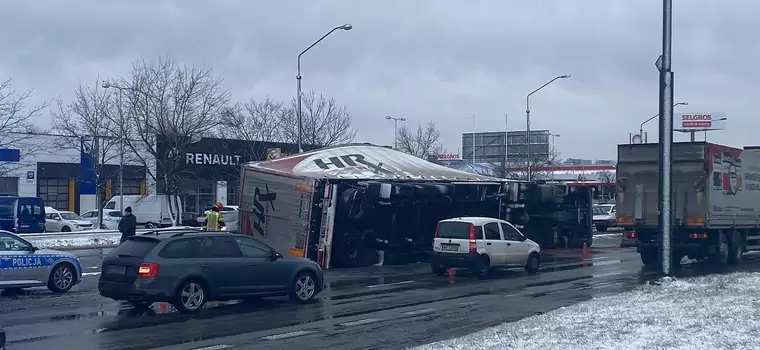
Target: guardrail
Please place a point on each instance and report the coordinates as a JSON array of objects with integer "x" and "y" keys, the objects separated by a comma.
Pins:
[{"x": 95, "y": 233}]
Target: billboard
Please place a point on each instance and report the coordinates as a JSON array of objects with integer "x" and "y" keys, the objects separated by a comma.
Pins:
[{"x": 687, "y": 122}]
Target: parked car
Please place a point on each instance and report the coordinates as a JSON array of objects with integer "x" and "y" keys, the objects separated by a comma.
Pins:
[
  {"x": 65, "y": 221},
  {"x": 111, "y": 218},
  {"x": 188, "y": 268},
  {"x": 482, "y": 244},
  {"x": 604, "y": 216},
  {"x": 22, "y": 214},
  {"x": 23, "y": 265}
]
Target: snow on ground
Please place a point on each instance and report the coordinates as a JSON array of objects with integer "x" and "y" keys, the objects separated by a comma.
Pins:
[
  {"x": 72, "y": 242},
  {"x": 711, "y": 312}
]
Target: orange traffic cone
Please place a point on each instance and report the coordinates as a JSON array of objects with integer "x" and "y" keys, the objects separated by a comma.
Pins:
[
  {"x": 584, "y": 251},
  {"x": 452, "y": 275}
]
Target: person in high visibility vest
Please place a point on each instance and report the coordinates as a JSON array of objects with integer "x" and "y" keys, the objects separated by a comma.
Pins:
[{"x": 214, "y": 220}]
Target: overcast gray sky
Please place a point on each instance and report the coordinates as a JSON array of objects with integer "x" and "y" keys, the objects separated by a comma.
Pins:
[{"x": 437, "y": 60}]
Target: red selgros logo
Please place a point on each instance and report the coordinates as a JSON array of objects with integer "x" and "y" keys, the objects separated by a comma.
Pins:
[{"x": 696, "y": 120}]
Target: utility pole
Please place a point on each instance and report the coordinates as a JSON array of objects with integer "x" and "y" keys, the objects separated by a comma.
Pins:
[
  {"x": 395, "y": 129},
  {"x": 473, "y": 142},
  {"x": 666, "y": 136},
  {"x": 506, "y": 144}
]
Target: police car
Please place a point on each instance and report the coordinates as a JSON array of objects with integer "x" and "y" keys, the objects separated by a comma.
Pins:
[{"x": 23, "y": 265}]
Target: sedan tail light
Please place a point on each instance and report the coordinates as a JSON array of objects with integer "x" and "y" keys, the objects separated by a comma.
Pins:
[{"x": 147, "y": 269}]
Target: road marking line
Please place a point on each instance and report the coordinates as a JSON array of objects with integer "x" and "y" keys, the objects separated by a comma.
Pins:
[
  {"x": 389, "y": 284},
  {"x": 465, "y": 303},
  {"x": 600, "y": 258},
  {"x": 90, "y": 273},
  {"x": 214, "y": 347},
  {"x": 607, "y": 274},
  {"x": 608, "y": 262},
  {"x": 418, "y": 312},
  {"x": 94, "y": 267},
  {"x": 287, "y": 335},
  {"x": 361, "y": 322}
]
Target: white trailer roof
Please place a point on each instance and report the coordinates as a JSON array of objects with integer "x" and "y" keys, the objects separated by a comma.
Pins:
[{"x": 364, "y": 162}]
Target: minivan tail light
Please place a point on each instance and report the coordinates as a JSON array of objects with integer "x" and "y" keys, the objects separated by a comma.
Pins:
[
  {"x": 473, "y": 243},
  {"x": 147, "y": 269}
]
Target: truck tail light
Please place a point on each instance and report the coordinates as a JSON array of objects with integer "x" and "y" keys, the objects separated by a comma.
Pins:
[
  {"x": 473, "y": 242},
  {"x": 698, "y": 236},
  {"x": 147, "y": 269},
  {"x": 630, "y": 234}
]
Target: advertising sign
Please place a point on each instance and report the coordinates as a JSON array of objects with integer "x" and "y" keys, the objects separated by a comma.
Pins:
[
  {"x": 687, "y": 122},
  {"x": 448, "y": 156}
]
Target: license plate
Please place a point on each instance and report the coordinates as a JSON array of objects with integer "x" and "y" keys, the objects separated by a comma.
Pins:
[
  {"x": 117, "y": 270},
  {"x": 450, "y": 247}
]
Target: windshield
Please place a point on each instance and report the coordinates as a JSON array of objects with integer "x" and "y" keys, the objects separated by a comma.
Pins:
[
  {"x": 67, "y": 215},
  {"x": 599, "y": 211}
]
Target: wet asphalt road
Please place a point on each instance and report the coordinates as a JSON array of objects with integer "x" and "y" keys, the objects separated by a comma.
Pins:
[{"x": 370, "y": 308}]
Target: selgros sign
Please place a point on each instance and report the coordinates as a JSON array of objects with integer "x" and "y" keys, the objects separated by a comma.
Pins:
[{"x": 699, "y": 121}]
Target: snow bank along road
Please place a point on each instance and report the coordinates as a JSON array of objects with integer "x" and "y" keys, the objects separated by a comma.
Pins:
[
  {"x": 369, "y": 308},
  {"x": 709, "y": 312}
]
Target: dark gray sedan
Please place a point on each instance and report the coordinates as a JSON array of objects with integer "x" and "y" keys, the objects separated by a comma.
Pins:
[{"x": 187, "y": 268}]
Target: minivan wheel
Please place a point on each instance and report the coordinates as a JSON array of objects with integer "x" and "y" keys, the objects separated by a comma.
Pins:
[
  {"x": 62, "y": 278},
  {"x": 140, "y": 304},
  {"x": 66, "y": 229},
  {"x": 533, "y": 263},
  {"x": 191, "y": 296},
  {"x": 438, "y": 269},
  {"x": 304, "y": 288}
]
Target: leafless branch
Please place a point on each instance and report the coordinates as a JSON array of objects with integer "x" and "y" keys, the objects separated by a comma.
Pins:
[
  {"x": 325, "y": 122},
  {"x": 519, "y": 170},
  {"x": 16, "y": 122},
  {"x": 422, "y": 142},
  {"x": 606, "y": 176},
  {"x": 256, "y": 122},
  {"x": 173, "y": 106}
]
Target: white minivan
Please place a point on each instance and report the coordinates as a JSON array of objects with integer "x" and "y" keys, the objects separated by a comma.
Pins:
[
  {"x": 482, "y": 244},
  {"x": 151, "y": 211}
]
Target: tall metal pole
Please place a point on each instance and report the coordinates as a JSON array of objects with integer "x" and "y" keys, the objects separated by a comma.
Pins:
[
  {"x": 298, "y": 83},
  {"x": 395, "y": 133},
  {"x": 473, "y": 142},
  {"x": 121, "y": 155},
  {"x": 506, "y": 144},
  {"x": 527, "y": 122},
  {"x": 692, "y": 136},
  {"x": 666, "y": 135}
]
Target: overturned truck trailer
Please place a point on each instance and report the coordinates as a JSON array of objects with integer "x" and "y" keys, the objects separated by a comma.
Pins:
[{"x": 359, "y": 205}]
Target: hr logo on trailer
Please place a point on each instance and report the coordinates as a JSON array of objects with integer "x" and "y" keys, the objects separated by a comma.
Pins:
[
  {"x": 350, "y": 160},
  {"x": 259, "y": 200}
]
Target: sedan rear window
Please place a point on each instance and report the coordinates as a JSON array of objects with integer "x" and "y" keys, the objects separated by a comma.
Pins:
[
  {"x": 457, "y": 230},
  {"x": 138, "y": 247}
]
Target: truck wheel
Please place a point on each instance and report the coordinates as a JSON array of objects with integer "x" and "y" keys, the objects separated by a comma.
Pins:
[
  {"x": 720, "y": 258},
  {"x": 649, "y": 257},
  {"x": 736, "y": 249}
]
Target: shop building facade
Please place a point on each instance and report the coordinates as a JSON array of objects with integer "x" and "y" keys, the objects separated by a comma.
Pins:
[{"x": 64, "y": 177}]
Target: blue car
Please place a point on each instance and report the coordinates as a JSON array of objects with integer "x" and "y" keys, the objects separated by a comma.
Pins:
[
  {"x": 22, "y": 214},
  {"x": 22, "y": 265}
]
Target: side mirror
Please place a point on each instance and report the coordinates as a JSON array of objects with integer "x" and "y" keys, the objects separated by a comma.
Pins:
[
  {"x": 276, "y": 255},
  {"x": 523, "y": 238},
  {"x": 58, "y": 218},
  {"x": 32, "y": 249}
]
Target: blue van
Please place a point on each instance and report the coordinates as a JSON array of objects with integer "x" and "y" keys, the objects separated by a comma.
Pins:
[{"x": 22, "y": 214}]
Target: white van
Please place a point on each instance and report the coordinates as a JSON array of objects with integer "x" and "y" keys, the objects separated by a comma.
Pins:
[{"x": 151, "y": 211}]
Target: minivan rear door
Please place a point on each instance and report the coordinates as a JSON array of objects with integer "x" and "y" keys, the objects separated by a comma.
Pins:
[
  {"x": 454, "y": 237},
  {"x": 31, "y": 215}
]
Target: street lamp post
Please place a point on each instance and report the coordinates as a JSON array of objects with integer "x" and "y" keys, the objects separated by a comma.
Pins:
[
  {"x": 395, "y": 129},
  {"x": 527, "y": 119},
  {"x": 107, "y": 85},
  {"x": 298, "y": 82},
  {"x": 641, "y": 127},
  {"x": 553, "y": 149}
]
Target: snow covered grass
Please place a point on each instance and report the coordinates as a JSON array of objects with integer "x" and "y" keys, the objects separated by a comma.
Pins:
[
  {"x": 711, "y": 312},
  {"x": 74, "y": 242}
]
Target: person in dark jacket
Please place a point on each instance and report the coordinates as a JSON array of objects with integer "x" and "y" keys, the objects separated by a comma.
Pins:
[{"x": 127, "y": 225}]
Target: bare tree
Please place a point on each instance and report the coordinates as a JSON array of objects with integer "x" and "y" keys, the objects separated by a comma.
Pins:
[
  {"x": 518, "y": 170},
  {"x": 422, "y": 142},
  {"x": 86, "y": 124},
  {"x": 257, "y": 122},
  {"x": 606, "y": 177},
  {"x": 170, "y": 107},
  {"x": 16, "y": 126},
  {"x": 325, "y": 122}
]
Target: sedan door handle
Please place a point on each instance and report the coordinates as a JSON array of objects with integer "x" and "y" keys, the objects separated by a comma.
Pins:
[
  {"x": 489, "y": 243},
  {"x": 509, "y": 243}
]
